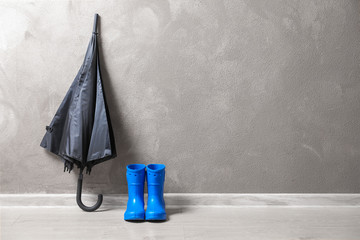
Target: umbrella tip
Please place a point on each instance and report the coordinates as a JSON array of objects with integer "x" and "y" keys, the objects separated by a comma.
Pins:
[{"x": 95, "y": 22}]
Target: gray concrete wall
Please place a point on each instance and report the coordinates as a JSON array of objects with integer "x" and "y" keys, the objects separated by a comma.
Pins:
[{"x": 233, "y": 96}]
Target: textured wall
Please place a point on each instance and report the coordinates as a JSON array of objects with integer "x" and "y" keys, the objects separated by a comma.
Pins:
[{"x": 233, "y": 96}]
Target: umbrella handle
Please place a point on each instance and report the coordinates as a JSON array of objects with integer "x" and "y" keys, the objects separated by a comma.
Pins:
[{"x": 78, "y": 197}]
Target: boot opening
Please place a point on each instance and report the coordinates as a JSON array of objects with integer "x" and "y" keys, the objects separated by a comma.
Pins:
[
  {"x": 135, "y": 167},
  {"x": 155, "y": 167}
]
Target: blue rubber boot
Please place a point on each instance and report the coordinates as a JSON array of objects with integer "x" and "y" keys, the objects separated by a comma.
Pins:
[
  {"x": 135, "y": 176},
  {"x": 155, "y": 184}
]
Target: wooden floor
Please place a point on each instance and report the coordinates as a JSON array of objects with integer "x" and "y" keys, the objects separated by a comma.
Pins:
[{"x": 278, "y": 223}]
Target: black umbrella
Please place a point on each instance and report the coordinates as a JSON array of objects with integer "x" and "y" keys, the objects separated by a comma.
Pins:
[{"x": 80, "y": 132}]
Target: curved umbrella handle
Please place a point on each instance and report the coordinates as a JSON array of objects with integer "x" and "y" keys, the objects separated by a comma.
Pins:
[{"x": 78, "y": 197}]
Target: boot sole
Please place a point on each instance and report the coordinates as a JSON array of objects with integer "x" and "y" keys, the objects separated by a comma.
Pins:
[
  {"x": 155, "y": 216},
  {"x": 134, "y": 217}
]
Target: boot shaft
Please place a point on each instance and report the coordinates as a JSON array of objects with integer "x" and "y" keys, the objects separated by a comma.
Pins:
[
  {"x": 135, "y": 176},
  {"x": 155, "y": 177}
]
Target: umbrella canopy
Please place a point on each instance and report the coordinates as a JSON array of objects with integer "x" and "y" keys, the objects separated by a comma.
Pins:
[{"x": 80, "y": 132}]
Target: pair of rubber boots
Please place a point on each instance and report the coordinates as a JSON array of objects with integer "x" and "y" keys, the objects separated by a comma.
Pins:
[{"x": 155, "y": 177}]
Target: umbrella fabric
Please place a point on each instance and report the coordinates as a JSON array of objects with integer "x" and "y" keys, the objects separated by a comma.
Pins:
[{"x": 80, "y": 132}]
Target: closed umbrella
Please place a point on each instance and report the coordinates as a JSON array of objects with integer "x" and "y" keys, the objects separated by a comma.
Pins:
[{"x": 80, "y": 132}]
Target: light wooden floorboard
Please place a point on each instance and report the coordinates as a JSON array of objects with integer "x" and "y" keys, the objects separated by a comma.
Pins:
[
  {"x": 188, "y": 199},
  {"x": 342, "y": 223}
]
